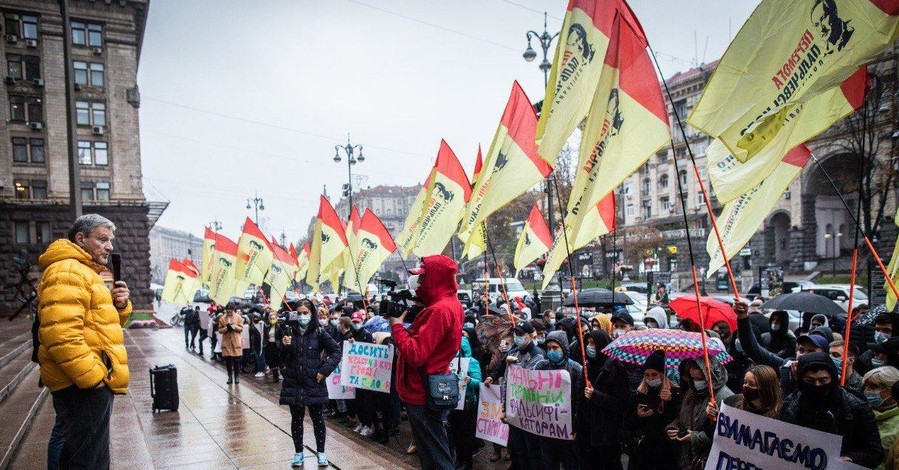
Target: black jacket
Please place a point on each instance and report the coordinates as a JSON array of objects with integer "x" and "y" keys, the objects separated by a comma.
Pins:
[
  {"x": 311, "y": 353},
  {"x": 255, "y": 338},
  {"x": 191, "y": 317},
  {"x": 847, "y": 416},
  {"x": 599, "y": 420}
]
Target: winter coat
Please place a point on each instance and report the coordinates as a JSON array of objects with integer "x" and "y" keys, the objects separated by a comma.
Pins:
[
  {"x": 782, "y": 342},
  {"x": 528, "y": 358},
  {"x": 888, "y": 427},
  {"x": 692, "y": 414},
  {"x": 310, "y": 353},
  {"x": 81, "y": 330},
  {"x": 429, "y": 345},
  {"x": 191, "y": 318},
  {"x": 847, "y": 416},
  {"x": 599, "y": 420},
  {"x": 255, "y": 338},
  {"x": 760, "y": 355},
  {"x": 232, "y": 344},
  {"x": 762, "y": 325}
]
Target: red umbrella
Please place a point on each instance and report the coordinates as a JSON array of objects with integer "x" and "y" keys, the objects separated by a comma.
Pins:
[{"x": 713, "y": 310}]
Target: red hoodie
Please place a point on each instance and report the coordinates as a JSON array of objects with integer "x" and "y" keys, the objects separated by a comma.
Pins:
[{"x": 434, "y": 337}]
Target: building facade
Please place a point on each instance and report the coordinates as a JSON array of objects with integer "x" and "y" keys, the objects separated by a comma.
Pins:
[
  {"x": 166, "y": 244},
  {"x": 104, "y": 52}
]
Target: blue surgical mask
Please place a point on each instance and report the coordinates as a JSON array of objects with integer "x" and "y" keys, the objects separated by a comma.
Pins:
[
  {"x": 468, "y": 325},
  {"x": 519, "y": 340},
  {"x": 304, "y": 319},
  {"x": 357, "y": 326},
  {"x": 839, "y": 363},
  {"x": 591, "y": 352},
  {"x": 654, "y": 383},
  {"x": 877, "y": 363},
  {"x": 334, "y": 323},
  {"x": 554, "y": 356},
  {"x": 874, "y": 399},
  {"x": 552, "y": 321},
  {"x": 880, "y": 337}
]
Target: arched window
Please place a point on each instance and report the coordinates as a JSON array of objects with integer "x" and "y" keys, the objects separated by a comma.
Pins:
[{"x": 663, "y": 181}]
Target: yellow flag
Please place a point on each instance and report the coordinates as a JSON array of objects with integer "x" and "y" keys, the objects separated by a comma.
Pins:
[
  {"x": 373, "y": 246},
  {"x": 254, "y": 256},
  {"x": 534, "y": 242},
  {"x": 223, "y": 284},
  {"x": 893, "y": 268},
  {"x": 600, "y": 220},
  {"x": 279, "y": 275},
  {"x": 740, "y": 218},
  {"x": 788, "y": 52},
  {"x": 404, "y": 238},
  {"x": 443, "y": 206},
  {"x": 208, "y": 255},
  {"x": 577, "y": 65},
  {"x": 180, "y": 284},
  {"x": 328, "y": 243},
  {"x": 302, "y": 262},
  {"x": 732, "y": 178}
]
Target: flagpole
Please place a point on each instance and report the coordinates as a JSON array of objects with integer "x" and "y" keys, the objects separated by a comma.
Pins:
[{"x": 499, "y": 273}]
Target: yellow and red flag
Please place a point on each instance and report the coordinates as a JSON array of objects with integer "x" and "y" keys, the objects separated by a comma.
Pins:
[
  {"x": 223, "y": 284},
  {"x": 534, "y": 242},
  {"x": 741, "y": 217},
  {"x": 208, "y": 254},
  {"x": 191, "y": 266},
  {"x": 787, "y": 53},
  {"x": 511, "y": 168},
  {"x": 373, "y": 246},
  {"x": 600, "y": 220},
  {"x": 254, "y": 256},
  {"x": 577, "y": 66},
  {"x": 732, "y": 178},
  {"x": 404, "y": 239},
  {"x": 181, "y": 282},
  {"x": 448, "y": 191},
  {"x": 628, "y": 123},
  {"x": 478, "y": 166},
  {"x": 279, "y": 275},
  {"x": 302, "y": 261},
  {"x": 352, "y": 228},
  {"x": 328, "y": 243},
  {"x": 893, "y": 269}
]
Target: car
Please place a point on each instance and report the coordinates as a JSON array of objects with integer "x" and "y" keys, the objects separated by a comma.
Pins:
[
  {"x": 464, "y": 298},
  {"x": 788, "y": 287},
  {"x": 640, "y": 287},
  {"x": 495, "y": 285},
  {"x": 839, "y": 293},
  {"x": 639, "y": 300}
]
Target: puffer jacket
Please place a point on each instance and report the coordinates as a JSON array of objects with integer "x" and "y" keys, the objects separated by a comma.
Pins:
[
  {"x": 311, "y": 352},
  {"x": 429, "y": 345},
  {"x": 81, "y": 330}
]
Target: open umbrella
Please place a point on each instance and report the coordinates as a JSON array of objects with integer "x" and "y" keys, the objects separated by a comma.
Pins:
[
  {"x": 599, "y": 298},
  {"x": 377, "y": 324},
  {"x": 491, "y": 328},
  {"x": 635, "y": 346},
  {"x": 713, "y": 310},
  {"x": 804, "y": 301}
]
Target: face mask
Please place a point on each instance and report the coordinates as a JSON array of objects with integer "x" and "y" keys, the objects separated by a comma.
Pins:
[
  {"x": 468, "y": 325},
  {"x": 750, "y": 393},
  {"x": 654, "y": 383},
  {"x": 519, "y": 340},
  {"x": 880, "y": 337},
  {"x": 541, "y": 341},
  {"x": 877, "y": 363},
  {"x": 874, "y": 399},
  {"x": 334, "y": 323},
  {"x": 815, "y": 395},
  {"x": 651, "y": 324},
  {"x": 552, "y": 321},
  {"x": 837, "y": 362},
  {"x": 591, "y": 352},
  {"x": 323, "y": 321},
  {"x": 699, "y": 385},
  {"x": 304, "y": 319},
  {"x": 618, "y": 332},
  {"x": 414, "y": 282},
  {"x": 357, "y": 326},
  {"x": 775, "y": 327},
  {"x": 554, "y": 356},
  {"x": 273, "y": 320}
]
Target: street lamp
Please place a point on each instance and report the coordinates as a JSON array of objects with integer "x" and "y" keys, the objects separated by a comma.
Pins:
[
  {"x": 351, "y": 159},
  {"x": 833, "y": 237},
  {"x": 216, "y": 226},
  {"x": 255, "y": 203}
]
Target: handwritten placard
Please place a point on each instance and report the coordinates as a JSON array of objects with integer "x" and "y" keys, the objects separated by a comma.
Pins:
[
  {"x": 490, "y": 408},
  {"x": 366, "y": 365},
  {"x": 539, "y": 402},
  {"x": 337, "y": 391}
]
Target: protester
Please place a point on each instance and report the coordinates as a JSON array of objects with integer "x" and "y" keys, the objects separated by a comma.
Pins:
[
  {"x": 362, "y": 405},
  {"x": 878, "y": 386},
  {"x": 760, "y": 394},
  {"x": 230, "y": 326},
  {"x": 427, "y": 348},
  {"x": 204, "y": 330},
  {"x": 556, "y": 451},
  {"x": 82, "y": 355},
  {"x": 256, "y": 353},
  {"x": 386, "y": 407},
  {"x": 271, "y": 338},
  {"x": 656, "y": 318},
  {"x": 779, "y": 340},
  {"x": 462, "y": 422},
  {"x": 622, "y": 322},
  {"x": 191, "y": 326},
  {"x": 854, "y": 380},
  {"x": 309, "y": 355},
  {"x": 892, "y": 458},
  {"x": 656, "y": 404},
  {"x": 760, "y": 324},
  {"x": 821, "y": 404}
]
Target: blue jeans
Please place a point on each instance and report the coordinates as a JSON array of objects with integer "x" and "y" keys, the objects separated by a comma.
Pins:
[
  {"x": 260, "y": 361},
  {"x": 54, "y": 446},
  {"x": 429, "y": 431}
]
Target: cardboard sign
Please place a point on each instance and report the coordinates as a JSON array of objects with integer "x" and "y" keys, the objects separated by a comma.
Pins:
[
  {"x": 336, "y": 391},
  {"x": 459, "y": 366},
  {"x": 490, "y": 407},
  {"x": 367, "y": 365},
  {"x": 539, "y": 402},
  {"x": 746, "y": 440}
]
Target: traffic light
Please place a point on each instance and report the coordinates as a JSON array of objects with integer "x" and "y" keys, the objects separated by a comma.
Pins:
[{"x": 346, "y": 190}]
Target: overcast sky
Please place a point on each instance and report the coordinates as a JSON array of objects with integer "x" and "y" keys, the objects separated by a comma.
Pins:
[{"x": 247, "y": 96}]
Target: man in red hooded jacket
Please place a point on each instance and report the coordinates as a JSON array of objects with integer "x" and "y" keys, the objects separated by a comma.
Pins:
[{"x": 427, "y": 348}]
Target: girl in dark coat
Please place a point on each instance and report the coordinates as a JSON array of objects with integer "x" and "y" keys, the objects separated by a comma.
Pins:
[
  {"x": 304, "y": 346},
  {"x": 656, "y": 403},
  {"x": 271, "y": 338}
]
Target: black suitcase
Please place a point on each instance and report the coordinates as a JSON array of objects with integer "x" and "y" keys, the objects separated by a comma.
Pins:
[{"x": 164, "y": 388}]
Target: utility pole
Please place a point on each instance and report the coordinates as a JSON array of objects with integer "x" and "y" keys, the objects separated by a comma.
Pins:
[{"x": 74, "y": 164}]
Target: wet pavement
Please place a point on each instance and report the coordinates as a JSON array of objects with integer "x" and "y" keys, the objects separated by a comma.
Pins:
[{"x": 217, "y": 426}]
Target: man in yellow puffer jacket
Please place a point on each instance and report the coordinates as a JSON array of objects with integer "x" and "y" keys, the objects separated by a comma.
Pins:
[{"x": 82, "y": 349}]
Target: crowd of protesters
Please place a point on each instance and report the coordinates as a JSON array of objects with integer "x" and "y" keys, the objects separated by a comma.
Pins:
[{"x": 630, "y": 416}]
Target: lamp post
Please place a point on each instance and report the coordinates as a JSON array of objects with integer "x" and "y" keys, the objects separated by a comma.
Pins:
[
  {"x": 215, "y": 225},
  {"x": 351, "y": 159},
  {"x": 833, "y": 237},
  {"x": 256, "y": 203}
]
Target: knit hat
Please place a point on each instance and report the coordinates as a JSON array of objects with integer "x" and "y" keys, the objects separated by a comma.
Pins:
[
  {"x": 816, "y": 360},
  {"x": 655, "y": 361}
]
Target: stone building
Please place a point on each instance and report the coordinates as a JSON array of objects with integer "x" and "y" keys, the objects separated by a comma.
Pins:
[
  {"x": 167, "y": 243},
  {"x": 34, "y": 145}
]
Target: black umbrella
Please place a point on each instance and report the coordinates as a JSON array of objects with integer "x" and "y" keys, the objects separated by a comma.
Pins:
[
  {"x": 599, "y": 297},
  {"x": 804, "y": 301}
]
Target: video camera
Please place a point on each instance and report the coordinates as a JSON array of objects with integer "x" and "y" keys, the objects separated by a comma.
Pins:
[
  {"x": 291, "y": 320},
  {"x": 398, "y": 302}
]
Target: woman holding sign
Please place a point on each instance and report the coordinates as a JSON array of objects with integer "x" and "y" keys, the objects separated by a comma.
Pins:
[{"x": 304, "y": 346}]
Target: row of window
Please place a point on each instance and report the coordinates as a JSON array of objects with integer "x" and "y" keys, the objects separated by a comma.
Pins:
[
  {"x": 25, "y": 235},
  {"x": 25, "y": 150},
  {"x": 37, "y": 189},
  {"x": 88, "y": 74},
  {"x": 665, "y": 204},
  {"x": 31, "y": 109},
  {"x": 26, "y": 27},
  {"x": 23, "y": 67},
  {"x": 22, "y": 26}
]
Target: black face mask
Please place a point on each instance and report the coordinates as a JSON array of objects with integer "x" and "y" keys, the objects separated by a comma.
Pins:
[{"x": 816, "y": 395}]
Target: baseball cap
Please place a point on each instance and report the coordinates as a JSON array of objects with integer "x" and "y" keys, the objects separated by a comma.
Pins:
[
  {"x": 524, "y": 327},
  {"x": 816, "y": 339},
  {"x": 358, "y": 317}
]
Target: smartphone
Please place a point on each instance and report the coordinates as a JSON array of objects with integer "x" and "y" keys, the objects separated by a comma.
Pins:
[{"x": 681, "y": 430}]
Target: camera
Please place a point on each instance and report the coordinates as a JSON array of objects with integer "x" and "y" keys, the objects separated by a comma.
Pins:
[
  {"x": 289, "y": 320},
  {"x": 398, "y": 302}
]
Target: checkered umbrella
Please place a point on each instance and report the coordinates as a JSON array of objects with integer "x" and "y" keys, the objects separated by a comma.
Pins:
[{"x": 635, "y": 346}]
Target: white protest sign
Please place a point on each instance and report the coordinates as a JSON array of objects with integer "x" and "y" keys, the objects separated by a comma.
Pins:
[
  {"x": 336, "y": 391},
  {"x": 490, "y": 407},
  {"x": 366, "y": 365},
  {"x": 539, "y": 402},
  {"x": 749, "y": 441},
  {"x": 459, "y": 366}
]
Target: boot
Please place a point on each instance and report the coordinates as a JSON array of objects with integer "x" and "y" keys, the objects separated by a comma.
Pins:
[
  {"x": 276, "y": 377},
  {"x": 230, "y": 377}
]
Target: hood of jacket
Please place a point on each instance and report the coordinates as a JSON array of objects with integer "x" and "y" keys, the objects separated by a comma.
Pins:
[
  {"x": 658, "y": 314},
  {"x": 823, "y": 319},
  {"x": 465, "y": 348},
  {"x": 784, "y": 318},
  {"x": 601, "y": 339},
  {"x": 64, "y": 249},
  {"x": 719, "y": 373},
  {"x": 438, "y": 281},
  {"x": 561, "y": 339}
]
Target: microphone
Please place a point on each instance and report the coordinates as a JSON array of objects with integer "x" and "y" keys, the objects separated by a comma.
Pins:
[{"x": 116, "y": 259}]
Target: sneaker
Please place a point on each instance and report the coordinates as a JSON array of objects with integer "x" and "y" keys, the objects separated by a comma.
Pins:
[
  {"x": 366, "y": 431},
  {"x": 358, "y": 428},
  {"x": 297, "y": 461},
  {"x": 322, "y": 459},
  {"x": 259, "y": 375}
]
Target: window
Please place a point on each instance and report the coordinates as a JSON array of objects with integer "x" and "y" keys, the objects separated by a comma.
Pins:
[
  {"x": 86, "y": 34},
  {"x": 23, "y": 235},
  {"x": 629, "y": 210},
  {"x": 80, "y": 72},
  {"x": 665, "y": 204},
  {"x": 84, "y": 152},
  {"x": 26, "y": 108},
  {"x": 88, "y": 113},
  {"x": 647, "y": 209},
  {"x": 19, "y": 150},
  {"x": 38, "y": 190},
  {"x": 683, "y": 177},
  {"x": 28, "y": 150},
  {"x": 103, "y": 191},
  {"x": 23, "y": 191},
  {"x": 88, "y": 73},
  {"x": 626, "y": 189},
  {"x": 672, "y": 264},
  {"x": 92, "y": 153},
  {"x": 31, "y": 190},
  {"x": 700, "y": 200},
  {"x": 43, "y": 232},
  {"x": 101, "y": 157},
  {"x": 96, "y": 74},
  {"x": 16, "y": 108},
  {"x": 87, "y": 191},
  {"x": 663, "y": 181},
  {"x": 647, "y": 186},
  {"x": 24, "y": 26},
  {"x": 23, "y": 66},
  {"x": 38, "y": 154}
]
